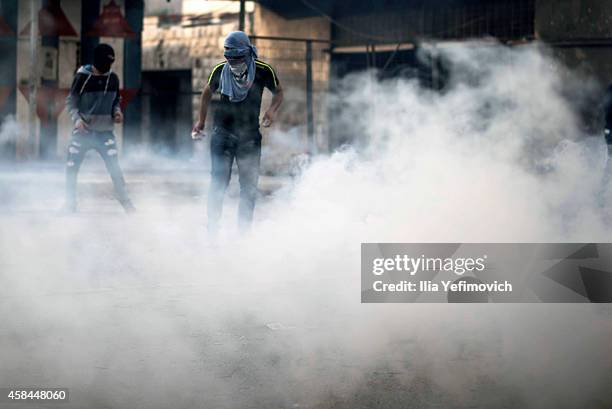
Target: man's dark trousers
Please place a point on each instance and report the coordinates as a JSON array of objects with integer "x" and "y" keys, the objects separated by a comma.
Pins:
[{"x": 226, "y": 146}]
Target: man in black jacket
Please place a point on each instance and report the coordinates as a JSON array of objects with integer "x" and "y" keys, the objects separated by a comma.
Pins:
[
  {"x": 93, "y": 104},
  {"x": 240, "y": 81}
]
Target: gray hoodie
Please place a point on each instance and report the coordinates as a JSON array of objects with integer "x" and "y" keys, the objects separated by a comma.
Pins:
[{"x": 94, "y": 98}]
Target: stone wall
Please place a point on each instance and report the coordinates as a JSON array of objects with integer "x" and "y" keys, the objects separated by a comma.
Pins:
[{"x": 289, "y": 60}]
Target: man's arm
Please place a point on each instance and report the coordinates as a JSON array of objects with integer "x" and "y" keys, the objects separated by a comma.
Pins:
[
  {"x": 116, "y": 110},
  {"x": 277, "y": 100},
  {"x": 204, "y": 102},
  {"x": 72, "y": 103}
]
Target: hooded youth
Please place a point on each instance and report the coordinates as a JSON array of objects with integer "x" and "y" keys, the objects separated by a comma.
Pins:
[{"x": 95, "y": 98}]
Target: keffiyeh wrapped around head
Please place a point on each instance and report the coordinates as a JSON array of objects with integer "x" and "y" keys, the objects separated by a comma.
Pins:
[{"x": 238, "y": 47}]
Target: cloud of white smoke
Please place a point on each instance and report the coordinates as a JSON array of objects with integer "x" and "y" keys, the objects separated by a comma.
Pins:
[
  {"x": 9, "y": 130},
  {"x": 149, "y": 311}
]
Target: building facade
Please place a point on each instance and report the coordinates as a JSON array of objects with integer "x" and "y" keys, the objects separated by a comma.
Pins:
[
  {"x": 64, "y": 38},
  {"x": 169, "y": 47}
]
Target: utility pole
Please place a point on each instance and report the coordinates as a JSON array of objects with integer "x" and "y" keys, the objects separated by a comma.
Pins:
[
  {"x": 32, "y": 145},
  {"x": 309, "y": 102},
  {"x": 242, "y": 15}
]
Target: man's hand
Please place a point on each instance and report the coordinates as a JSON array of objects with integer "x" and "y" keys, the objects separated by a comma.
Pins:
[
  {"x": 118, "y": 117},
  {"x": 268, "y": 118},
  {"x": 198, "y": 131},
  {"x": 270, "y": 115},
  {"x": 81, "y": 126}
]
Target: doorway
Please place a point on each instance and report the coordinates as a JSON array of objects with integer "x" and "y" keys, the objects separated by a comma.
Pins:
[{"x": 167, "y": 111}]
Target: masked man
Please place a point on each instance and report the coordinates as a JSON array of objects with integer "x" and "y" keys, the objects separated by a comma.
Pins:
[
  {"x": 240, "y": 80},
  {"x": 93, "y": 104}
]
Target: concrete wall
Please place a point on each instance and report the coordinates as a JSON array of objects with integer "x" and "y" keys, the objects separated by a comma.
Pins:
[
  {"x": 578, "y": 21},
  {"x": 67, "y": 55},
  {"x": 571, "y": 19},
  {"x": 289, "y": 60},
  {"x": 8, "y": 73}
]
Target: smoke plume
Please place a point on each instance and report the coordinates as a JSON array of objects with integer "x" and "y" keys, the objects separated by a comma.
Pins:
[{"x": 149, "y": 311}]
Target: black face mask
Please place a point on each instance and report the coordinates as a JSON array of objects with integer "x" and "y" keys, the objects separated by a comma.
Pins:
[{"x": 104, "y": 56}]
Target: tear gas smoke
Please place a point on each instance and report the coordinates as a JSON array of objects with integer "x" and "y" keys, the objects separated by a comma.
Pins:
[
  {"x": 9, "y": 130},
  {"x": 146, "y": 311}
]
